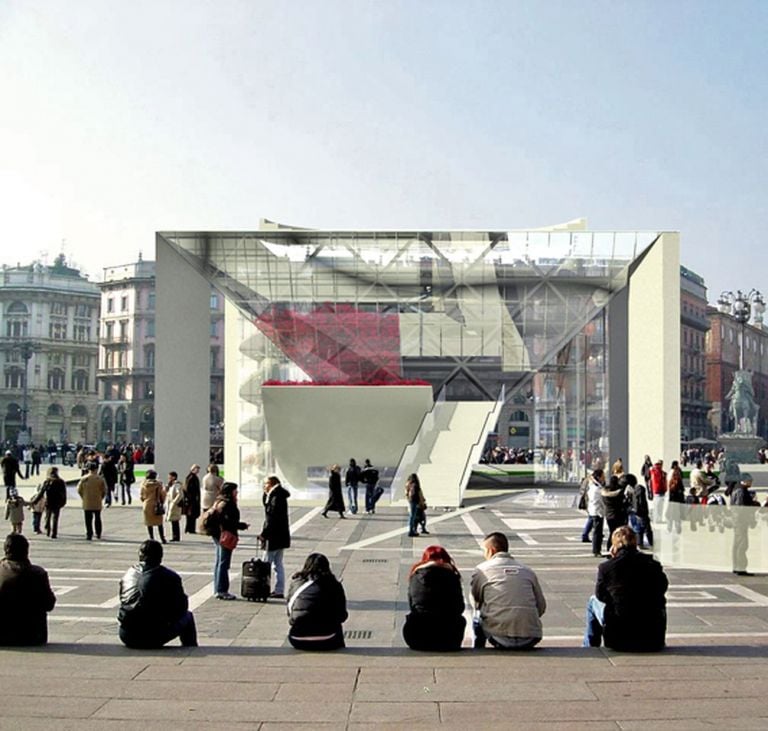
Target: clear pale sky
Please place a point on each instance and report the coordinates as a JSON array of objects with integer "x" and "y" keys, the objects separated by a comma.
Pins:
[{"x": 119, "y": 119}]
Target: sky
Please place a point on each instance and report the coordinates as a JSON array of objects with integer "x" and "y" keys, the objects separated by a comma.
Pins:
[{"x": 121, "y": 119}]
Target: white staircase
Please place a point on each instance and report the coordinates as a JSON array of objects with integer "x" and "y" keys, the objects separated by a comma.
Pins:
[{"x": 449, "y": 442}]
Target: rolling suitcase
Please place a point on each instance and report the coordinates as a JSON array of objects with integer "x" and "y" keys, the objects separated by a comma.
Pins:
[{"x": 256, "y": 580}]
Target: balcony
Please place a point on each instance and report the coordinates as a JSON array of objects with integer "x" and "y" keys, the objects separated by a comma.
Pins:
[{"x": 114, "y": 340}]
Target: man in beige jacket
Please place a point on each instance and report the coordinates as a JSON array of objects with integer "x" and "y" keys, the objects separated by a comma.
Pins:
[
  {"x": 92, "y": 490},
  {"x": 507, "y": 597}
]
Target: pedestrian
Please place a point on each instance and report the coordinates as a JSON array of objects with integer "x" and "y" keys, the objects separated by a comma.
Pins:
[
  {"x": 275, "y": 534},
  {"x": 370, "y": 478},
  {"x": 639, "y": 519},
  {"x": 14, "y": 511},
  {"x": 614, "y": 506},
  {"x": 37, "y": 503},
  {"x": 335, "y": 502},
  {"x": 173, "y": 498},
  {"x": 658, "y": 489},
  {"x": 36, "y": 461},
  {"x": 153, "y": 505},
  {"x": 596, "y": 509},
  {"x": 153, "y": 606},
  {"x": 92, "y": 490},
  {"x": 436, "y": 601},
  {"x": 26, "y": 596},
  {"x": 414, "y": 497},
  {"x": 212, "y": 483},
  {"x": 26, "y": 455},
  {"x": 55, "y": 499},
  {"x": 127, "y": 478},
  {"x": 224, "y": 530},
  {"x": 191, "y": 499},
  {"x": 109, "y": 472},
  {"x": 351, "y": 480},
  {"x": 317, "y": 606},
  {"x": 10, "y": 467}
]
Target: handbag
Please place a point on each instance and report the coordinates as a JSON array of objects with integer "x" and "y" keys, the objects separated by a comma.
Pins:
[
  {"x": 228, "y": 540},
  {"x": 159, "y": 508}
]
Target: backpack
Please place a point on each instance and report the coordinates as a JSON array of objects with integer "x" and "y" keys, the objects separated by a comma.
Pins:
[{"x": 209, "y": 521}]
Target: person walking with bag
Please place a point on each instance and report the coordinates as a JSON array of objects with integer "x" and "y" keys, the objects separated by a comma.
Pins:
[
  {"x": 275, "y": 534},
  {"x": 223, "y": 525},
  {"x": 153, "y": 504},
  {"x": 335, "y": 503},
  {"x": 55, "y": 499}
]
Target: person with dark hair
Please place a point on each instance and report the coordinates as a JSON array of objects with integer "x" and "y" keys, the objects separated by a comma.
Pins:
[
  {"x": 191, "y": 497},
  {"x": 595, "y": 509},
  {"x": 10, "y": 467},
  {"x": 369, "y": 476},
  {"x": 436, "y": 600},
  {"x": 224, "y": 531},
  {"x": 173, "y": 498},
  {"x": 152, "y": 496},
  {"x": 351, "y": 480},
  {"x": 55, "y": 491},
  {"x": 153, "y": 606},
  {"x": 639, "y": 517},
  {"x": 127, "y": 478},
  {"x": 212, "y": 483},
  {"x": 317, "y": 606},
  {"x": 628, "y": 608},
  {"x": 507, "y": 598},
  {"x": 92, "y": 490},
  {"x": 25, "y": 596},
  {"x": 108, "y": 471},
  {"x": 275, "y": 534},
  {"x": 335, "y": 502},
  {"x": 415, "y": 498},
  {"x": 614, "y": 506}
]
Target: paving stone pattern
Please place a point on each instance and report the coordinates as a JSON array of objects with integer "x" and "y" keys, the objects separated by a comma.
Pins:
[{"x": 244, "y": 674}]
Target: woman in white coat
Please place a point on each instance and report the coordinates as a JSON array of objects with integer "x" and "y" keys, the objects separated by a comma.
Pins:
[
  {"x": 596, "y": 508},
  {"x": 173, "y": 505}
]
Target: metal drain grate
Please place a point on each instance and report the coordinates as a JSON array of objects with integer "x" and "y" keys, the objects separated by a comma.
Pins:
[
  {"x": 357, "y": 634},
  {"x": 375, "y": 560}
]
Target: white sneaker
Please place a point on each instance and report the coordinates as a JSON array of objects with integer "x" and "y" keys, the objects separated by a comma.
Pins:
[{"x": 226, "y": 597}]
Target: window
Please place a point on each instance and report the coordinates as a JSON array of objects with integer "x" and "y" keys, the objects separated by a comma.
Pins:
[
  {"x": 123, "y": 329},
  {"x": 81, "y": 359},
  {"x": 55, "y": 359},
  {"x": 149, "y": 357},
  {"x": 110, "y": 305},
  {"x": 214, "y": 333},
  {"x": 150, "y": 328},
  {"x": 149, "y": 390},
  {"x": 56, "y": 380},
  {"x": 57, "y": 331},
  {"x": 82, "y": 333},
  {"x": 151, "y": 301},
  {"x": 82, "y": 311},
  {"x": 80, "y": 380},
  {"x": 108, "y": 329},
  {"x": 214, "y": 301},
  {"x": 14, "y": 378},
  {"x": 17, "y": 316},
  {"x": 214, "y": 357},
  {"x": 58, "y": 308},
  {"x": 124, "y": 303}
]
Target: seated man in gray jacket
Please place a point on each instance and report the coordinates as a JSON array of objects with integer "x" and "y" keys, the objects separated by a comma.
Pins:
[{"x": 507, "y": 598}]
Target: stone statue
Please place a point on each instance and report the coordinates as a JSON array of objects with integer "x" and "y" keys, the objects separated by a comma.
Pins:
[{"x": 743, "y": 408}]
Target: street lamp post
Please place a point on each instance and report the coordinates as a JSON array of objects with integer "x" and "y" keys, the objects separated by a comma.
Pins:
[{"x": 26, "y": 349}]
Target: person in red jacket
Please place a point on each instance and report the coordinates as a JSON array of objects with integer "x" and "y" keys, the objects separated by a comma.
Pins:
[{"x": 658, "y": 488}]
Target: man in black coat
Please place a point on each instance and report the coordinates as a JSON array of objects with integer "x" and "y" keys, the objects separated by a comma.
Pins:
[
  {"x": 10, "y": 466},
  {"x": 153, "y": 606},
  {"x": 109, "y": 473},
  {"x": 275, "y": 534},
  {"x": 25, "y": 596},
  {"x": 628, "y": 609}
]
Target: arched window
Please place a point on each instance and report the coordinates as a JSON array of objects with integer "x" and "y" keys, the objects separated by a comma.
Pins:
[
  {"x": 121, "y": 421},
  {"x": 147, "y": 425},
  {"x": 80, "y": 380},
  {"x": 79, "y": 412},
  {"x": 106, "y": 423},
  {"x": 56, "y": 379},
  {"x": 17, "y": 317},
  {"x": 149, "y": 356},
  {"x": 55, "y": 410},
  {"x": 13, "y": 413},
  {"x": 518, "y": 416}
]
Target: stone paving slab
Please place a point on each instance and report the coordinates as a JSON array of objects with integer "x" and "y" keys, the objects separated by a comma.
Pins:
[{"x": 244, "y": 675}]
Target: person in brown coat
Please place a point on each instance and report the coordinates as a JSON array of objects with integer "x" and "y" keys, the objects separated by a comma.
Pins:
[
  {"x": 153, "y": 501},
  {"x": 92, "y": 490}
]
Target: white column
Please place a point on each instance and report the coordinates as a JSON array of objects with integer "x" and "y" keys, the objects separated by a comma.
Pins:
[{"x": 182, "y": 363}]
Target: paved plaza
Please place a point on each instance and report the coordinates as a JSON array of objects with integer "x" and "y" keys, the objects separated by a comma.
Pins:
[{"x": 244, "y": 674}]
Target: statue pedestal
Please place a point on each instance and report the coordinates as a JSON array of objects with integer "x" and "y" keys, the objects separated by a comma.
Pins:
[{"x": 741, "y": 447}]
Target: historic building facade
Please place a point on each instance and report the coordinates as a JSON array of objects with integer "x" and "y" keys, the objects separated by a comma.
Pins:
[
  {"x": 722, "y": 361},
  {"x": 694, "y": 326},
  {"x": 127, "y": 355},
  {"x": 49, "y": 350}
]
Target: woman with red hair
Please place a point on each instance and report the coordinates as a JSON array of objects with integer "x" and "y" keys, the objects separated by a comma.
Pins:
[{"x": 436, "y": 598}]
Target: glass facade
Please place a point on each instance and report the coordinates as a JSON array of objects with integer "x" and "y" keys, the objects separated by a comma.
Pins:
[{"x": 481, "y": 316}]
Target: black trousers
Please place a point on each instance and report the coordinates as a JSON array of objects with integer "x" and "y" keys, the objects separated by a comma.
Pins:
[
  {"x": 91, "y": 517},
  {"x": 52, "y": 521}
]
